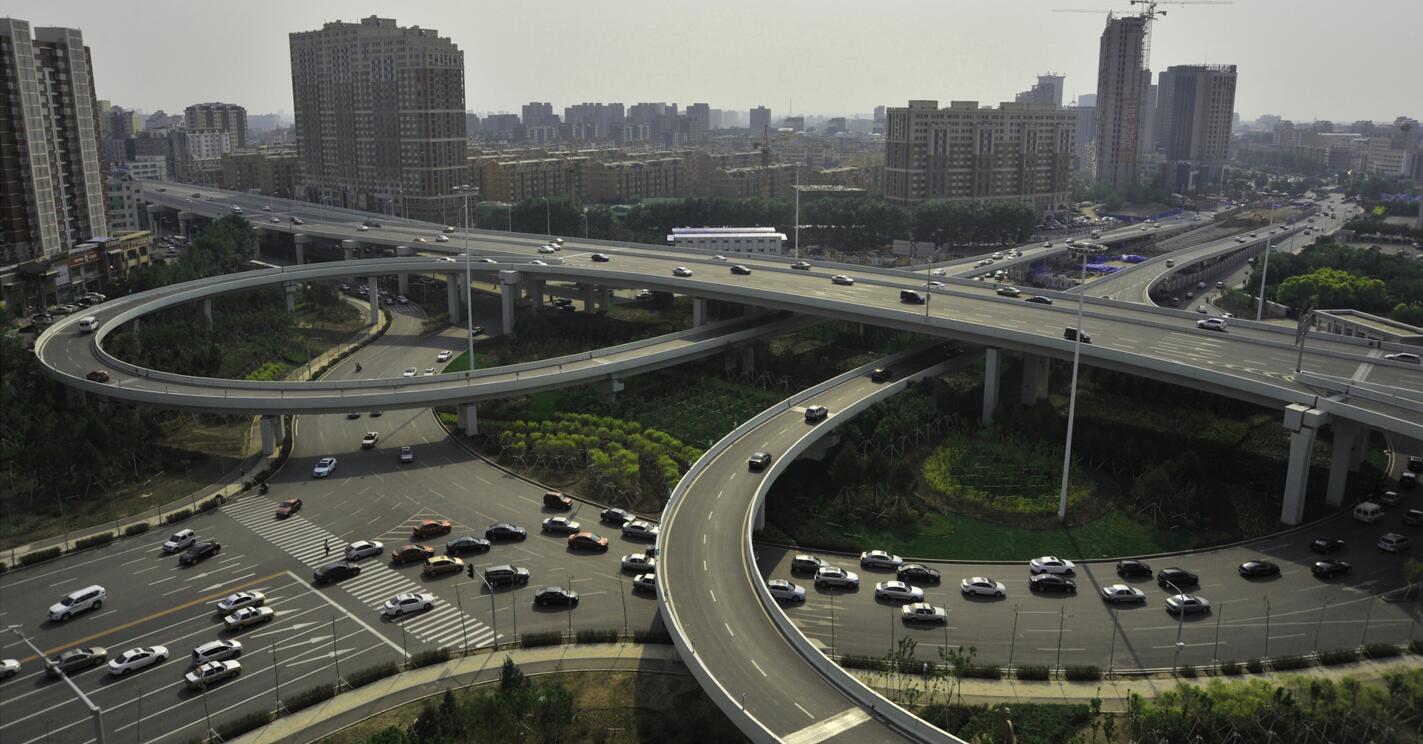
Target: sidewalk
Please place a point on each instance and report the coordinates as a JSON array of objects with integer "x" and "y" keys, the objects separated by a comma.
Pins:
[
  {"x": 377, "y": 697},
  {"x": 234, "y": 484}
]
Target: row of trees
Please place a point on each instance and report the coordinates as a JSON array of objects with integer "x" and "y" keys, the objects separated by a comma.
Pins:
[
  {"x": 853, "y": 224},
  {"x": 1330, "y": 275}
]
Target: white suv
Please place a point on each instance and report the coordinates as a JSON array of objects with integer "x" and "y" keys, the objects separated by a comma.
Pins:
[{"x": 77, "y": 601}]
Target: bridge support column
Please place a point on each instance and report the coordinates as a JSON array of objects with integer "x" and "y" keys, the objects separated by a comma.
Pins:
[
  {"x": 1340, "y": 458},
  {"x": 272, "y": 434},
  {"x": 301, "y": 241},
  {"x": 608, "y": 389},
  {"x": 699, "y": 312},
  {"x": 992, "y": 368},
  {"x": 1035, "y": 378},
  {"x": 589, "y": 297},
  {"x": 605, "y": 299},
  {"x": 821, "y": 448},
  {"x": 350, "y": 249},
  {"x": 185, "y": 224},
  {"x": 748, "y": 359},
  {"x": 1359, "y": 448},
  {"x": 760, "y": 523},
  {"x": 468, "y": 419},
  {"x": 536, "y": 294},
  {"x": 207, "y": 311},
  {"x": 1303, "y": 423},
  {"x": 373, "y": 283},
  {"x": 291, "y": 297},
  {"x": 452, "y": 297},
  {"x": 508, "y": 292}
]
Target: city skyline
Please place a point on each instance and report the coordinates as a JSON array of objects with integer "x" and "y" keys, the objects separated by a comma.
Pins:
[{"x": 1276, "y": 78}]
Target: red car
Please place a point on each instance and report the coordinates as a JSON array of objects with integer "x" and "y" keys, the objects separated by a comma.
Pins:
[
  {"x": 98, "y": 375},
  {"x": 431, "y": 527},
  {"x": 288, "y": 508},
  {"x": 412, "y": 553},
  {"x": 587, "y": 541}
]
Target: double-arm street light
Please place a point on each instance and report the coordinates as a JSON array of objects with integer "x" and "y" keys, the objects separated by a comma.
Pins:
[
  {"x": 465, "y": 191},
  {"x": 1082, "y": 252}
]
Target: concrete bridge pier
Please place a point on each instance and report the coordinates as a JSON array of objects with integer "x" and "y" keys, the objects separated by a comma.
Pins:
[
  {"x": 992, "y": 370},
  {"x": 1035, "y": 378},
  {"x": 403, "y": 279},
  {"x": 291, "y": 296},
  {"x": 1303, "y": 424},
  {"x": 207, "y": 311},
  {"x": 1346, "y": 454},
  {"x": 536, "y": 294},
  {"x": 508, "y": 292},
  {"x": 185, "y": 223},
  {"x": 350, "y": 249},
  {"x": 748, "y": 359},
  {"x": 821, "y": 448},
  {"x": 699, "y": 312},
  {"x": 605, "y": 299},
  {"x": 373, "y": 283},
  {"x": 301, "y": 241},
  {"x": 273, "y": 432},
  {"x": 589, "y": 297},
  {"x": 452, "y": 295},
  {"x": 608, "y": 389},
  {"x": 468, "y": 419},
  {"x": 760, "y": 519}
]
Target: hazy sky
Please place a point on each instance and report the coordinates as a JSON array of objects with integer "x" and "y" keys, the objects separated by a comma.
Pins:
[{"x": 1303, "y": 59}]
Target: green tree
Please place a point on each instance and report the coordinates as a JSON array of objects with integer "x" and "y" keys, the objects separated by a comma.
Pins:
[
  {"x": 1410, "y": 313},
  {"x": 1332, "y": 288}
]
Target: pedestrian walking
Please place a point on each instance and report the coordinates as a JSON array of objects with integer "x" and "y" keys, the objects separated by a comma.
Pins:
[{"x": 327, "y": 545}]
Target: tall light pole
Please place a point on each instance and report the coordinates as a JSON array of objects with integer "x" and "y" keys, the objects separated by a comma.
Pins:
[
  {"x": 1072, "y": 396},
  {"x": 797, "y": 211},
  {"x": 1180, "y": 623},
  {"x": 548, "y": 219},
  {"x": 1265, "y": 268},
  {"x": 465, "y": 190},
  {"x": 95, "y": 711}
]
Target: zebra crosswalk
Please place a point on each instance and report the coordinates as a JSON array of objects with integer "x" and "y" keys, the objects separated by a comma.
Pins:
[{"x": 298, "y": 537}]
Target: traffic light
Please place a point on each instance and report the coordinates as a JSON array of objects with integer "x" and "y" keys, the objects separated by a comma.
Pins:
[{"x": 469, "y": 569}]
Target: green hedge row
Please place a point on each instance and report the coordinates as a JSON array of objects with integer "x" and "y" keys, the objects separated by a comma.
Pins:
[
  {"x": 1082, "y": 673},
  {"x": 597, "y": 636},
  {"x": 1381, "y": 651},
  {"x": 178, "y": 516},
  {"x": 1231, "y": 668},
  {"x": 1290, "y": 663},
  {"x": 987, "y": 671},
  {"x": 94, "y": 541},
  {"x": 1034, "y": 672},
  {"x": 544, "y": 638},
  {"x": 362, "y": 677},
  {"x": 431, "y": 657},
  {"x": 137, "y": 529},
  {"x": 309, "y": 697},
  {"x": 40, "y": 555},
  {"x": 1339, "y": 656}
]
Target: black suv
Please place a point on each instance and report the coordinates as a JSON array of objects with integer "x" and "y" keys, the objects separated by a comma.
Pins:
[
  {"x": 1177, "y": 577},
  {"x": 911, "y": 297},
  {"x": 881, "y": 374},
  {"x": 501, "y": 575},
  {"x": 199, "y": 552},
  {"x": 333, "y": 572},
  {"x": 758, "y": 461},
  {"x": 1133, "y": 570}
]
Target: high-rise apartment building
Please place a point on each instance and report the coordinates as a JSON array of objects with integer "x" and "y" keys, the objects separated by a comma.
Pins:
[
  {"x": 1017, "y": 152},
  {"x": 1195, "y": 110},
  {"x": 760, "y": 120},
  {"x": 229, "y": 117},
  {"x": 1122, "y": 82},
  {"x": 537, "y": 114},
  {"x": 52, "y": 190},
  {"x": 380, "y": 122},
  {"x": 1048, "y": 89},
  {"x": 698, "y": 122},
  {"x": 1085, "y": 111}
]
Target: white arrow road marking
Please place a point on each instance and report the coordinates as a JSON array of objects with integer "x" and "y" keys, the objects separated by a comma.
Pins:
[{"x": 287, "y": 629}]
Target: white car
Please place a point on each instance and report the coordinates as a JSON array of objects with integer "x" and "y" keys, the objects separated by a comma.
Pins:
[
  {"x": 537, "y": 262},
  {"x": 982, "y": 585},
  {"x": 923, "y": 612},
  {"x": 275, "y": 221},
  {"x": 785, "y": 590},
  {"x": 547, "y": 249},
  {"x": 409, "y": 372},
  {"x": 446, "y": 259},
  {"x": 211, "y": 673},
  {"x": 561, "y": 525},
  {"x": 639, "y": 562},
  {"x": 444, "y": 356},
  {"x": 405, "y": 604},
  {"x": 135, "y": 659},
  {"x": 681, "y": 271},
  {"x": 842, "y": 280},
  {"x": 646, "y": 582},
  {"x": 936, "y": 285},
  {"x": 181, "y": 540},
  {"x": 248, "y": 616},
  {"x": 1123, "y": 593},
  {"x": 1211, "y": 324},
  {"x": 363, "y": 549},
  {"x": 216, "y": 651},
  {"x": 234, "y": 602},
  {"x": 718, "y": 257},
  {"x": 9, "y": 668},
  {"x": 267, "y": 208},
  {"x": 836, "y": 576},
  {"x": 369, "y": 440},
  {"x": 1187, "y": 603},
  {"x": 879, "y": 559},
  {"x": 324, "y": 467},
  {"x": 639, "y": 528},
  {"x": 898, "y": 591},
  {"x": 1404, "y": 356},
  {"x": 941, "y": 272},
  {"x": 362, "y": 228},
  {"x": 1051, "y": 564},
  {"x": 441, "y": 239},
  {"x": 429, "y": 372}
]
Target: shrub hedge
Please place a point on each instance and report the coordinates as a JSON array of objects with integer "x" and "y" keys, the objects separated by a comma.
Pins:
[
  {"x": 1339, "y": 656},
  {"x": 178, "y": 516},
  {"x": 1254, "y": 666},
  {"x": 36, "y": 556},
  {"x": 362, "y": 677},
  {"x": 1289, "y": 663},
  {"x": 1381, "y": 650},
  {"x": 856, "y": 661},
  {"x": 1034, "y": 672},
  {"x": 1231, "y": 668},
  {"x": 428, "y": 658},
  {"x": 1082, "y": 673},
  {"x": 596, "y": 636},
  {"x": 308, "y": 697},
  {"x": 987, "y": 671},
  {"x": 1188, "y": 671},
  {"x": 242, "y": 724},
  {"x": 542, "y": 638},
  {"x": 137, "y": 529},
  {"x": 94, "y": 541}
]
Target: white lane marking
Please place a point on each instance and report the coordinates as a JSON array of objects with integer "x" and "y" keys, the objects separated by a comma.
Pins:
[
  {"x": 160, "y": 581},
  {"x": 728, "y": 629},
  {"x": 713, "y": 594},
  {"x": 704, "y": 566},
  {"x": 758, "y": 668},
  {"x": 833, "y": 726}
]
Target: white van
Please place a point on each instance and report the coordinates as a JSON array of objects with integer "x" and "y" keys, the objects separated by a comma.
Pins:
[
  {"x": 88, "y": 323},
  {"x": 1367, "y": 512},
  {"x": 77, "y": 601}
]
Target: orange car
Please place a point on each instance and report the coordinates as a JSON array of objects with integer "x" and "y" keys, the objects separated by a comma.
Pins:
[
  {"x": 431, "y": 527},
  {"x": 288, "y": 508},
  {"x": 587, "y": 541},
  {"x": 442, "y": 564},
  {"x": 412, "y": 553}
]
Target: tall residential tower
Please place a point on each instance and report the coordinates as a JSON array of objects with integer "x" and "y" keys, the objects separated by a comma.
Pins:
[
  {"x": 1122, "y": 84},
  {"x": 380, "y": 121},
  {"x": 1195, "y": 110}
]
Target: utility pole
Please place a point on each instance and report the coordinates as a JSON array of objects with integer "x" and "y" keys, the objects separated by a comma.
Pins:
[
  {"x": 1072, "y": 397},
  {"x": 95, "y": 712}
]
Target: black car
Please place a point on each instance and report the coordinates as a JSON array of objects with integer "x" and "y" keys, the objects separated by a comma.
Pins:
[
  {"x": 77, "y": 660},
  {"x": 758, "y": 461},
  {"x": 1326, "y": 544},
  {"x": 200, "y": 552},
  {"x": 371, "y": 223},
  {"x": 333, "y": 572},
  {"x": 1255, "y": 569},
  {"x": 1177, "y": 577},
  {"x": 740, "y": 270},
  {"x": 1039, "y": 299},
  {"x": 616, "y": 516},
  {"x": 1330, "y": 567},
  {"x": 1133, "y": 570},
  {"x": 916, "y": 573},
  {"x": 600, "y": 258},
  {"x": 1052, "y": 583},
  {"x": 881, "y": 374},
  {"x": 801, "y": 266},
  {"x": 556, "y": 595},
  {"x": 467, "y": 544},
  {"x": 1415, "y": 464},
  {"x": 505, "y": 531},
  {"x": 1071, "y": 335}
]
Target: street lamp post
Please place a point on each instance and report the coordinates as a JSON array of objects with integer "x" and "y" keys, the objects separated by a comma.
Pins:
[
  {"x": 1265, "y": 268},
  {"x": 1180, "y": 624},
  {"x": 466, "y": 190},
  {"x": 796, "y": 227},
  {"x": 95, "y": 711},
  {"x": 1072, "y": 396}
]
